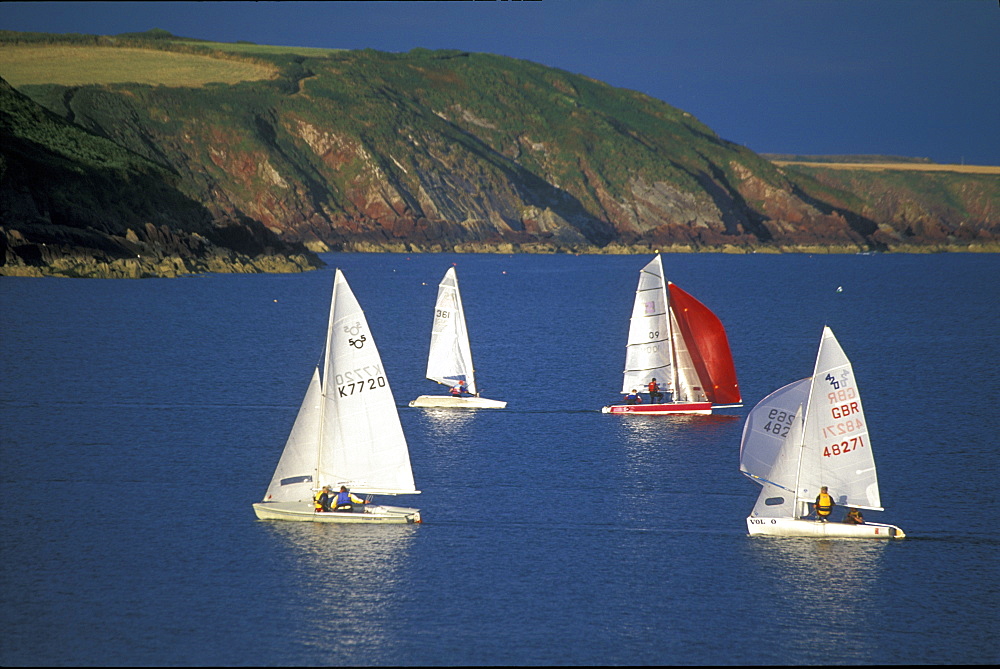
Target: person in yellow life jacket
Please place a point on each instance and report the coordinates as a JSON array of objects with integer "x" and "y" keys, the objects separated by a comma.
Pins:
[
  {"x": 824, "y": 505},
  {"x": 654, "y": 392},
  {"x": 322, "y": 499},
  {"x": 854, "y": 517},
  {"x": 345, "y": 500}
]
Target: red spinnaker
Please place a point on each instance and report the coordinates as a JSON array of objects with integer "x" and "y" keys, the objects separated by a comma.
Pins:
[{"x": 708, "y": 345}]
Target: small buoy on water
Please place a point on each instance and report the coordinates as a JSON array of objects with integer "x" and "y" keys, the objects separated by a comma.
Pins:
[{"x": 840, "y": 289}]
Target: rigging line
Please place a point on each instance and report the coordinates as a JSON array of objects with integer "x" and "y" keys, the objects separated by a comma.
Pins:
[{"x": 761, "y": 478}]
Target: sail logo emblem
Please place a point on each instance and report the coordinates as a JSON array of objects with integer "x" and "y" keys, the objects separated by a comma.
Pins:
[
  {"x": 650, "y": 307},
  {"x": 355, "y": 330},
  {"x": 837, "y": 383}
]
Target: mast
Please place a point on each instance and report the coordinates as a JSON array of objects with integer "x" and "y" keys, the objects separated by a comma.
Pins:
[
  {"x": 464, "y": 346},
  {"x": 796, "y": 512},
  {"x": 325, "y": 379},
  {"x": 675, "y": 388}
]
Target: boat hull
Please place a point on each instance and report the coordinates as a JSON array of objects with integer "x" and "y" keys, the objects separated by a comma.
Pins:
[
  {"x": 701, "y": 408},
  {"x": 448, "y": 402},
  {"x": 800, "y": 527},
  {"x": 305, "y": 512}
]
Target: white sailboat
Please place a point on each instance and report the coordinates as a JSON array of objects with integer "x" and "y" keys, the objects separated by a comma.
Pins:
[
  {"x": 347, "y": 432},
  {"x": 450, "y": 359},
  {"x": 678, "y": 342},
  {"x": 809, "y": 434}
]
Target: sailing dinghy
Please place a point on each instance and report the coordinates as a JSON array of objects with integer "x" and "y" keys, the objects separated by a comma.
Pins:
[
  {"x": 809, "y": 434},
  {"x": 677, "y": 341},
  {"x": 347, "y": 432},
  {"x": 450, "y": 359}
]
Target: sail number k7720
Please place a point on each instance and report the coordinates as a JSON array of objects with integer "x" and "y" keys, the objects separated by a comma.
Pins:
[{"x": 360, "y": 380}]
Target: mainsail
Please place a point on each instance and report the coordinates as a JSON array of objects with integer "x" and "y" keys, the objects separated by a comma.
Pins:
[
  {"x": 648, "y": 351},
  {"x": 838, "y": 453},
  {"x": 450, "y": 357},
  {"x": 347, "y": 431}
]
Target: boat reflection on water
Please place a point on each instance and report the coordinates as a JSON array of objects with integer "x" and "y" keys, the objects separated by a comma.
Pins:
[
  {"x": 448, "y": 422},
  {"x": 827, "y": 584},
  {"x": 344, "y": 581},
  {"x": 660, "y": 455},
  {"x": 650, "y": 440}
]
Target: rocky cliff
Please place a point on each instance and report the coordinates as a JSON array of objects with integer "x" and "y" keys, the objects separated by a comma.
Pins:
[
  {"x": 76, "y": 204},
  {"x": 432, "y": 150}
]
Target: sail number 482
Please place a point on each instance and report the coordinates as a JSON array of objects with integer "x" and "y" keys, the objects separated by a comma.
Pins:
[
  {"x": 843, "y": 447},
  {"x": 778, "y": 422}
]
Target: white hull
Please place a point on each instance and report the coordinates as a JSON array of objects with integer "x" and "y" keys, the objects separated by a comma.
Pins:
[
  {"x": 449, "y": 402},
  {"x": 305, "y": 512},
  {"x": 800, "y": 527}
]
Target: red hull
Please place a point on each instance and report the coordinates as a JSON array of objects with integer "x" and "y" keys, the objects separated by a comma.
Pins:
[{"x": 661, "y": 409}]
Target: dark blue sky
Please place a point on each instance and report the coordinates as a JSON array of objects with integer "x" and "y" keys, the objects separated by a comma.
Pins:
[{"x": 901, "y": 77}]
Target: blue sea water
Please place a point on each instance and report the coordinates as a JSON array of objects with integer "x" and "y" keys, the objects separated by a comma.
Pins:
[{"x": 139, "y": 420}]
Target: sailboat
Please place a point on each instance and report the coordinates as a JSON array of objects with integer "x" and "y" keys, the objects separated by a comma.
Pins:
[
  {"x": 347, "y": 431},
  {"x": 450, "y": 359},
  {"x": 677, "y": 341},
  {"x": 809, "y": 434}
]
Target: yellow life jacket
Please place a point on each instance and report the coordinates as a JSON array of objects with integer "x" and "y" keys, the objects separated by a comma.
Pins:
[
  {"x": 824, "y": 504},
  {"x": 316, "y": 503}
]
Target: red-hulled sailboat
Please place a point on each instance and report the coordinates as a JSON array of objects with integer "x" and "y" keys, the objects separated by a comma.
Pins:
[{"x": 677, "y": 343}]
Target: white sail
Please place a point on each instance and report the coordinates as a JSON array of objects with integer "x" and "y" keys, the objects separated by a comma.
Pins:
[
  {"x": 769, "y": 435},
  {"x": 362, "y": 444},
  {"x": 450, "y": 357},
  {"x": 293, "y": 477},
  {"x": 648, "y": 354},
  {"x": 778, "y": 498},
  {"x": 838, "y": 452}
]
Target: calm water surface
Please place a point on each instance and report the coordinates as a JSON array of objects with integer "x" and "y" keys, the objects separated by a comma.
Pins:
[{"x": 140, "y": 419}]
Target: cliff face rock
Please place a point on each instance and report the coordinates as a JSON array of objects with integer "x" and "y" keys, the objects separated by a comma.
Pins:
[
  {"x": 914, "y": 209},
  {"x": 76, "y": 204},
  {"x": 430, "y": 151}
]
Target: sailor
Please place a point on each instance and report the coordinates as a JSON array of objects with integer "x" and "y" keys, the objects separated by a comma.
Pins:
[
  {"x": 322, "y": 499},
  {"x": 654, "y": 392},
  {"x": 346, "y": 500},
  {"x": 824, "y": 505},
  {"x": 854, "y": 517},
  {"x": 459, "y": 389},
  {"x": 633, "y": 398}
]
